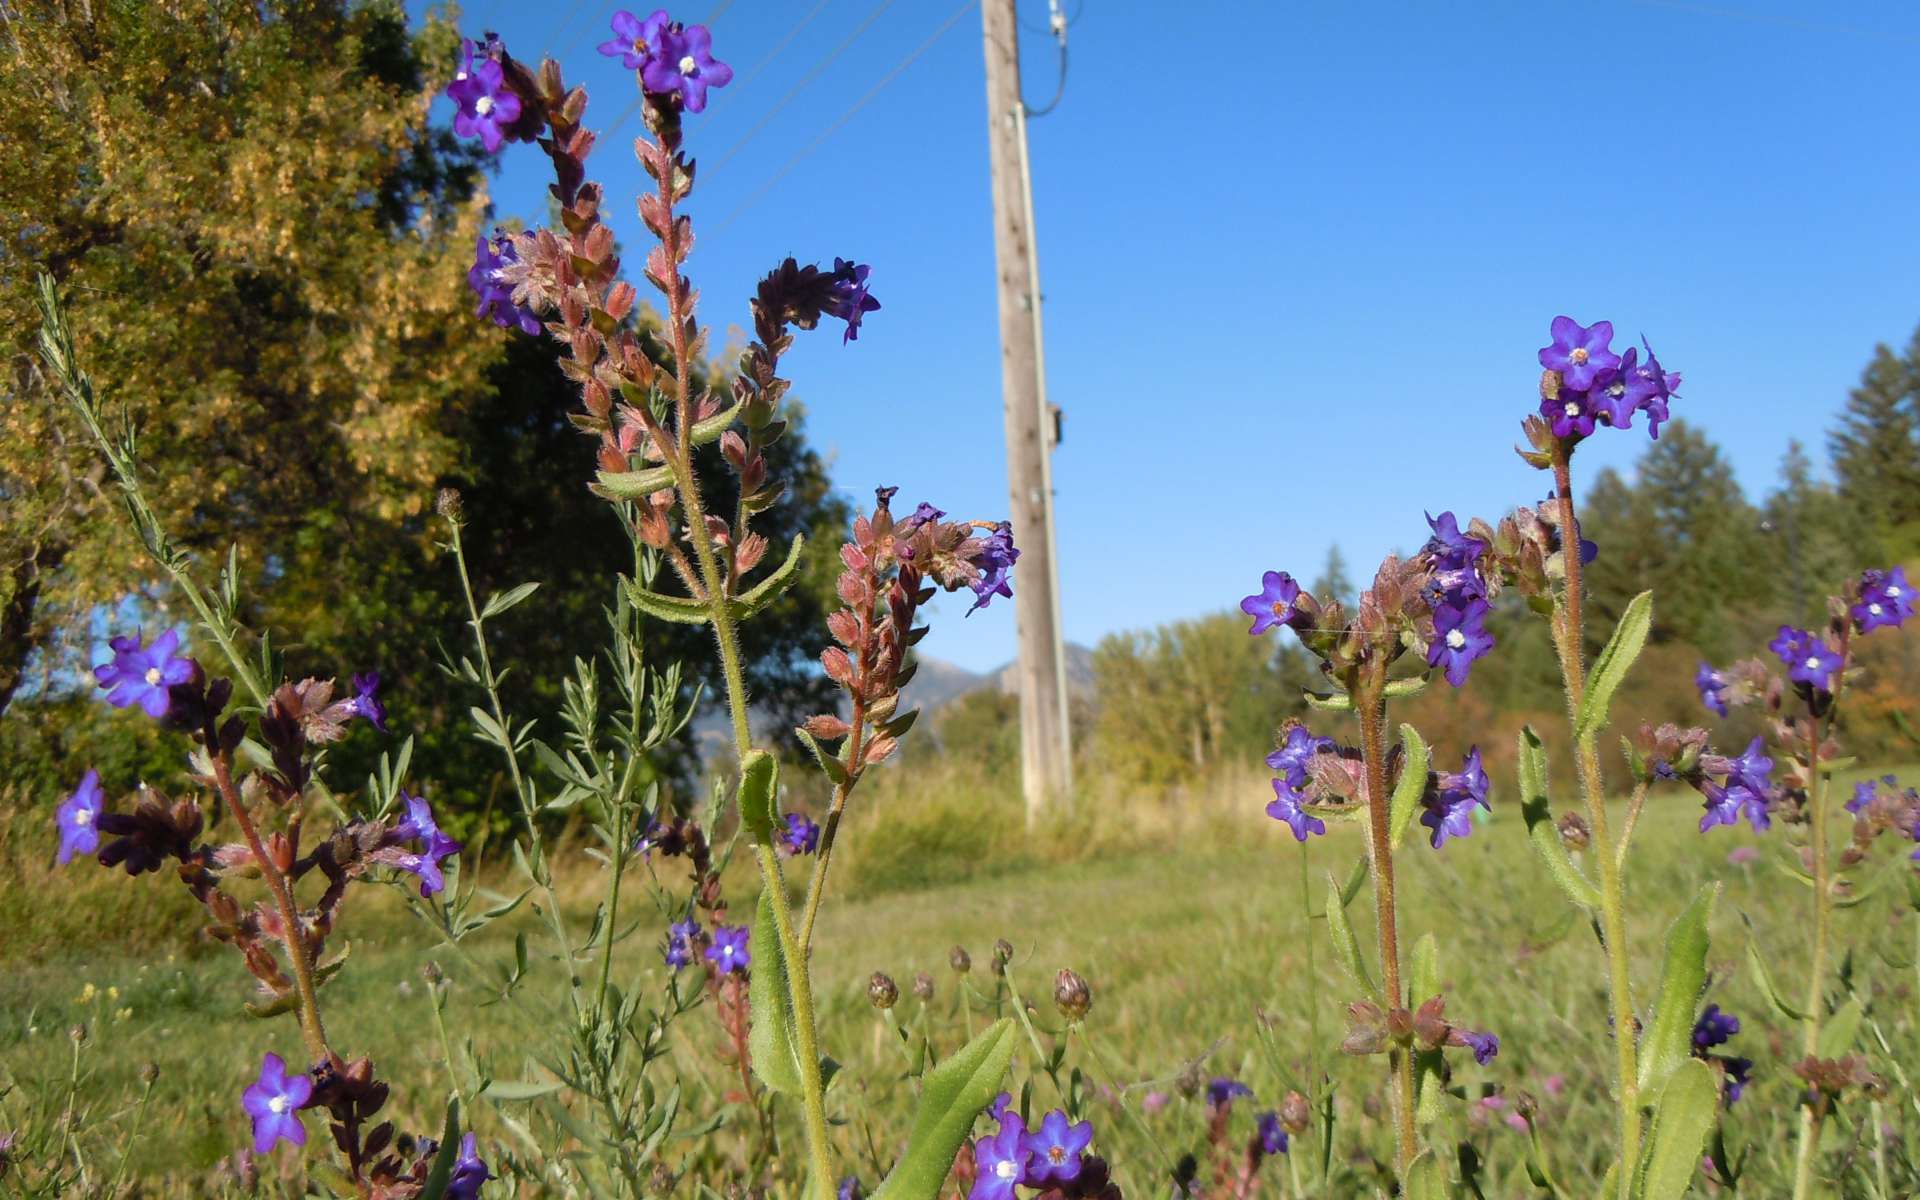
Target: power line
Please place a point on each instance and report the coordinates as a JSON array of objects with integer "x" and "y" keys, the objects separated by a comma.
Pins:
[{"x": 821, "y": 138}]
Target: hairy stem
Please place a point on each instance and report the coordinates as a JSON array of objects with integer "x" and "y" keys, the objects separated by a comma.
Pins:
[
  {"x": 1569, "y": 637},
  {"x": 1371, "y": 707},
  {"x": 312, "y": 1030},
  {"x": 1810, "y": 1118}
]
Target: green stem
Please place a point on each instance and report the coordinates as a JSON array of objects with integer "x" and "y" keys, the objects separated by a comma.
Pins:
[
  {"x": 806, "y": 1043},
  {"x": 437, "y": 998},
  {"x": 1568, "y": 640},
  {"x": 544, "y": 874},
  {"x": 1822, "y": 922},
  {"x": 1371, "y": 707}
]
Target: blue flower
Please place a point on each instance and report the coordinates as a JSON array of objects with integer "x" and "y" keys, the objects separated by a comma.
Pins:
[
  {"x": 273, "y": 1101},
  {"x": 1222, "y": 1091},
  {"x": 77, "y": 818},
  {"x": 141, "y": 675},
  {"x": 1273, "y": 604},
  {"x": 1296, "y": 752},
  {"x": 634, "y": 40},
  {"x": 729, "y": 949},
  {"x": 491, "y": 256},
  {"x": 1286, "y": 805},
  {"x": 680, "y": 937},
  {"x": 366, "y": 700},
  {"x": 1449, "y": 805},
  {"x": 1713, "y": 688},
  {"x": 682, "y": 64},
  {"x": 849, "y": 299},
  {"x": 1460, "y": 638},
  {"x": 1273, "y": 1138},
  {"x": 996, "y": 561},
  {"x": 1485, "y": 1046},
  {"x": 1714, "y": 1028},
  {"x": 1579, "y": 352},
  {"x": 1055, "y": 1148},
  {"x": 801, "y": 836},
  {"x": 469, "y": 1172},
  {"x": 1806, "y": 656},
  {"x": 1886, "y": 599},
  {"x": 1726, "y": 805},
  {"x": 486, "y": 105},
  {"x": 1000, "y": 1161}
]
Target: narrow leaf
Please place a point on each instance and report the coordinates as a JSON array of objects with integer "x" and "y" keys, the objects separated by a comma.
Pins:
[
  {"x": 775, "y": 584},
  {"x": 1681, "y": 1122},
  {"x": 1426, "y": 1179},
  {"x": 520, "y": 1089},
  {"x": 770, "y": 1006},
  {"x": 1764, "y": 977},
  {"x": 500, "y": 602},
  {"x": 1411, "y": 786},
  {"x": 710, "y": 429},
  {"x": 759, "y": 783},
  {"x": 1669, "y": 1040},
  {"x": 952, "y": 1095},
  {"x": 634, "y": 485},
  {"x": 1336, "y": 702},
  {"x": 681, "y": 610},
  {"x": 1837, "y": 1035},
  {"x": 1611, "y": 668},
  {"x": 442, "y": 1168},
  {"x": 1541, "y": 831},
  {"x": 1345, "y": 945},
  {"x": 834, "y": 768},
  {"x": 1423, "y": 974}
]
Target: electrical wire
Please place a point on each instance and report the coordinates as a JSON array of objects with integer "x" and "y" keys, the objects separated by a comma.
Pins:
[
  {"x": 820, "y": 139},
  {"x": 1057, "y": 25}
]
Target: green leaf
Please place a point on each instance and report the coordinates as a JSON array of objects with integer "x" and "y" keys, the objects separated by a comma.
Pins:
[
  {"x": 1541, "y": 831},
  {"x": 1423, "y": 973},
  {"x": 1611, "y": 668},
  {"x": 1336, "y": 702},
  {"x": 1345, "y": 945},
  {"x": 635, "y": 485},
  {"x": 834, "y": 768},
  {"x": 1764, "y": 977},
  {"x": 1356, "y": 878},
  {"x": 1412, "y": 685},
  {"x": 759, "y": 784},
  {"x": 680, "y": 610},
  {"x": 1669, "y": 1040},
  {"x": 442, "y": 1168},
  {"x": 1681, "y": 1121},
  {"x": 777, "y": 582},
  {"x": 710, "y": 429},
  {"x": 501, "y": 1090},
  {"x": 1838, "y": 1034},
  {"x": 1426, "y": 1179},
  {"x": 500, "y": 602},
  {"x": 1411, "y": 786},
  {"x": 770, "y": 1005},
  {"x": 951, "y": 1096}
]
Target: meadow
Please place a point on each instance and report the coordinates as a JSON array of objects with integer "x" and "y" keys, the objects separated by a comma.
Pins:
[{"x": 1195, "y": 940}]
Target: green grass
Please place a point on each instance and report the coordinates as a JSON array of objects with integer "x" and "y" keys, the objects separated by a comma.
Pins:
[{"x": 1188, "y": 947}]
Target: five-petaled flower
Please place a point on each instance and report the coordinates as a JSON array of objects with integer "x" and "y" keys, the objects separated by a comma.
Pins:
[
  {"x": 272, "y": 1101},
  {"x": 849, "y": 299},
  {"x": 801, "y": 836},
  {"x": 1579, "y": 352},
  {"x": 1459, "y": 638},
  {"x": 78, "y": 816},
  {"x": 1288, "y": 804},
  {"x": 486, "y": 105},
  {"x": 142, "y": 675},
  {"x": 633, "y": 39},
  {"x": 1886, "y": 599},
  {"x": 1055, "y": 1148},
  {"x": 1296, "y": 752},
  {"x": 682, "y": 63},
  {"x": 1273, "y": 604},
  {"x": 1000, "y": 1161},
  {"x": 1806, "y": 656},
  {"x": 729, "y": 949}
]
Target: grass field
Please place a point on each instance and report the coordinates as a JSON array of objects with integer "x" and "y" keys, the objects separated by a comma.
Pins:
[{"x": 1184, "y": 945}]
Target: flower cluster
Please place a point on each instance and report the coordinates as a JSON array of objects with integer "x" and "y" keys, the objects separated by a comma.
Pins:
[
  {"x": 1370, "y": 1030},
  {"x": 1293, "y": 760},
  {"x": 1878, "y": 807},
  {"x": 487, "y": 277},
  {"x": 1458, "y": 594},
  {"x": 673, "y": 60},
  {"x": 1807, "y": 657},
  {"x": 1586, "y": 383},
  {"x": 1886, "y": 600},
  {"x": 1051, "y": 1158},
  {"x": 1450, "y": 799},
  {"x": 1736, "y": 787},
  {"x": 801, "y": 836},
  {"x": 1716, "y": 1028}
]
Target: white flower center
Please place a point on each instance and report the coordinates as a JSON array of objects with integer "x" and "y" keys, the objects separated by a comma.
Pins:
[
  {"x": 1874, "y": 609},
  {"x": 1578, "y": 356},
  {"x": 1573, "y": 409},
  {"x": 277, "y": 1105},
  {"x": 459, "y": 75},
  {"x": 152, "y": 676},
  {"x": 483, "y": 105},
  {"x": 688, "y": 66},
  {"x": 1813, "y": 662},
  {"x": 83, "y": 818},
  {"x": 1456, "y": 639},
  {"x": 1005, "y": 1169},
  {"x": 1893, "y": 590}
]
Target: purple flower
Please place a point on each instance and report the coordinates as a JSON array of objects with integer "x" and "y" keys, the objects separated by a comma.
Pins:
[
  {"x": 1055, "y": 1148},
  {"x": 801, "y": 835},
  {"x": 436, "y": 847},
  {"x": 1714, "y": 1028},
  {"x": 1460, "y": 637},
  {"x": 1579, "y": 352},
  {"x": 680, "y": 937},
  {"x": 432, "y": 880},
  {"x": 849, "y": 1189},
  {"x": 683, "y": 63},
  {"x": 634, "y": 40},
  {"x": 486, "y": 105},
  {"x": 142, "y": 675},
  {"x": 1273, "y": 1138},
  {"x": 1222, "y": 1091},
  {"x": 1726, "y": 805},
  {"x": 1454, "y": 578},
  {"x": 849, "y": 299},
  {"x": 1448, "y": 538},
  {"x": 1485, "y": 1045},
  {"x": 1658, "y": 387},
  {"x": 1273, "y": 604},
  {"x": 1807, "y": 657},
  {"x": 1449, "y": 805},
  {"x": 272, "y": 1101},
  {"x": 1863, "y": 792},
  {"x": 1739, "y": 1074},
  {"x": 1886, "y": 598},
  {"x": 1001, "y": 1106},
  {"x": 729, "y": 949},
  {"x": 1286, "y": 805},
  {"x": 1713, "y": 688},
  {"x": 491, "y": 256},
  {"x": 996, "y": 567},
  {"x": 1296, "y": 752},
  {"x": 1000, "y": 1161},
  {"x": 366, "y": 700},
  {"x": 1753, "y": 770},
  {"x": 469, "y": 1172},
  {"x": 1570, "y": 413},
  {"x": 77, "y": 816},
  {"x": 924, "y": 514}
]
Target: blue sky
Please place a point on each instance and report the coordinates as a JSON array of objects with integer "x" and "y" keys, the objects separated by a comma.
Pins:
[{"x": 1297, "y": 256}]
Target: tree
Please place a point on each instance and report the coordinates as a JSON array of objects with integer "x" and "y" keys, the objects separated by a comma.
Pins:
[
  {"x": 1333, "y": 583},
  {"x": 1876, "y": 445},
  {"x": 1817, "y": 538}
]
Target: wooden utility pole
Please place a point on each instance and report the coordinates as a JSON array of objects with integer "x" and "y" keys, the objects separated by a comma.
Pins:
[{"x": 1046, "y": 761}]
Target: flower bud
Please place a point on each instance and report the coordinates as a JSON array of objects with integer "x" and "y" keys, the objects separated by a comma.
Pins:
[
  {"x": 1574, "y": 833},
  {"x": 150, "y": 1073},
  {"x": 882, "y": 991},
  {"x": 923, "y": 986},
  {"x": 1002, "y": 955},
  {"x": 432, "y": 973},
  {"x": 1295, "y": 1113},
  {"x": 958, "y": 959},
  {"x": 78, "y": 1032},
  {"x": 1071, "y": 995},
  {"x": 1187, "y": 1083},
  {"x": 447, "y": 504}
]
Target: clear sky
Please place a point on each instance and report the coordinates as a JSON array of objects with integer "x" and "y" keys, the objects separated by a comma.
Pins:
[{"x": 1297, "y": 256}]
